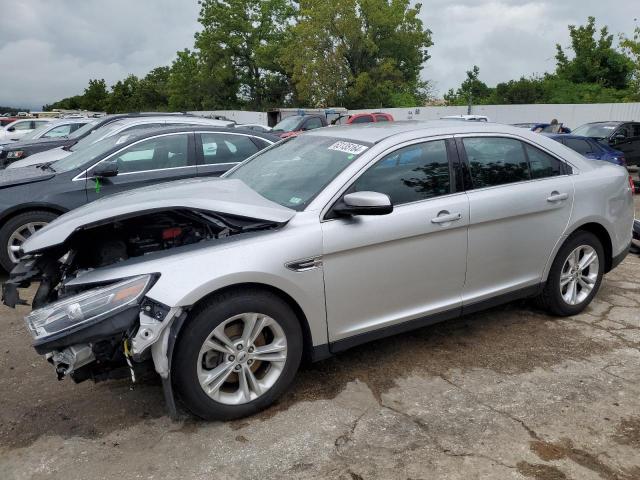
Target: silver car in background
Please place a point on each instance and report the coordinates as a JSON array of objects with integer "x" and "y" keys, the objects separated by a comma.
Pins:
[
  {"x": 124, "y": 125},
  {"x": 314, "y": 245}
]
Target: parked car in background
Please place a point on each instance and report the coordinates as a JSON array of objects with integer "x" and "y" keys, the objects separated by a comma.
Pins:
[
  {"x": 468, "y": 118},
  {"x": 19, "y": 128},
  {"x": 623, "y": 136},
  {"x": 116, "y": 127},
  {"x": 590, "y": 148},
  {"x": 6, "y": 120},
  {"x": 33, "y": 141},
  {"x": 542, "y": 127},
  {"x": 255, "y": 126},
  {"x": 227, "y": 284},
  {"x": 296, "y": 124},
  {"x": 362, "y": 118},
  {"x": 31, "y": 197}
]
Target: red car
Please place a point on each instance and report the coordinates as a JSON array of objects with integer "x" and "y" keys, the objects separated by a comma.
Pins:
[{"x": 362, "y": 118}]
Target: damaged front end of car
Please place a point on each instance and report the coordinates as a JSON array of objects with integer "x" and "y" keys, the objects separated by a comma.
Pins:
[{"x": 105, "y": 330}]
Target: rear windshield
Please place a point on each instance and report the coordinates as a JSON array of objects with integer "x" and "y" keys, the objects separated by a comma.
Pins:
[{"x": 596, "y": 130}]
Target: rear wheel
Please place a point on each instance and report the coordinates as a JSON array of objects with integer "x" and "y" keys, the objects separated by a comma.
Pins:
[
  {"x": 237, "y": 354},
  {"x": 16, "y": 230},
  {"x": 575, "y": 276}
]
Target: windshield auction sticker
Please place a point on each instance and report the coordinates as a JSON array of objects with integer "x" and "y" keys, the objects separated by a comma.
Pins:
[{"x": 348, "y": 147}]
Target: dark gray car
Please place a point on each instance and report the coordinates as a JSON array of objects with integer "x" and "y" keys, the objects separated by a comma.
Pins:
[{"x": 31, "y": 197}]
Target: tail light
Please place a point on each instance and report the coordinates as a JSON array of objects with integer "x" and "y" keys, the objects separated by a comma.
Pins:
[{"x": 632, "y": 185}]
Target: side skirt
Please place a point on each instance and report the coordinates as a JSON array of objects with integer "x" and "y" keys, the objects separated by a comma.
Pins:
[{"x": 321, "y": 352}]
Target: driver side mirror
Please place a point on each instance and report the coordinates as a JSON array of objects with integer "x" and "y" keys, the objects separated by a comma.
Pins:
[
  {"x": 106, "y": 169},
  {"x": 364, "y": 203},
  {"x": 11, "y": 129}
]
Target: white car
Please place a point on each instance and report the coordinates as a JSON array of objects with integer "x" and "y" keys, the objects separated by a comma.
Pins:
[
  {"x": 116, "y": 128},
  {"x": 18, "y": 129},
  {"x": 467, "y": 118}
]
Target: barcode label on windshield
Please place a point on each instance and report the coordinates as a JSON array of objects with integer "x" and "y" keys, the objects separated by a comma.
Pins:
[{"x": 348, "y": 147}]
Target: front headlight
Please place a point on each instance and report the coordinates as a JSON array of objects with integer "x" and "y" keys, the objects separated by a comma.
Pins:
[
  {"x": 15, "y": 154},
  {"x": 86, "y": 308}
]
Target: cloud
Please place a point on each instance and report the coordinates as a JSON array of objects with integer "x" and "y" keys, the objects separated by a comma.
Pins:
[
  {"x": 509, "y": 38},
  {"x": 49, "y": 50}
]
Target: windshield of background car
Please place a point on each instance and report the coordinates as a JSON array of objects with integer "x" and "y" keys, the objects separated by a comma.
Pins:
[
  {"x": 292, "y": 173},
  {"x": 84, "y": 129},
  {"x": 287, "y": 125},
  {"x": 596, "y": 130},
  {"x": 85, "y": 156},
  {"x": 36, "y": 133},
  {"x": 107, "y": 131}
]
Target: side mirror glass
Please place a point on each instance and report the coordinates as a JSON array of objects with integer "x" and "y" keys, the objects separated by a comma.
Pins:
[
  {"x": 619, "y": 137},
  {"x": 364, "y": 203},
  {"x": 106, "y": 169},
  {"x": 11, "y": 129}
]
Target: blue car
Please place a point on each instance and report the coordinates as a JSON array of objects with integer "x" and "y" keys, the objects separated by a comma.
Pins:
[
  {"x": 541, "y": 127},
  {"x": 590, "y": 148}
]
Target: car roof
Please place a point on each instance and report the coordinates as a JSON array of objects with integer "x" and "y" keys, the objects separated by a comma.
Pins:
[
  {"x": 376, "y": 132},
  {"x": 151, "y": 132}
]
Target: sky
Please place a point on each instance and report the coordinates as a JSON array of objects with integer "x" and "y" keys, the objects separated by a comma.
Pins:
[{"x": 49, "y": 50}]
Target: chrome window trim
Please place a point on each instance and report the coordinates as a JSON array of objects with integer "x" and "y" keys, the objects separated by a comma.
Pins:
[
  {"x": 86, "y": 170},
  {"x": 377, "y": 158}
]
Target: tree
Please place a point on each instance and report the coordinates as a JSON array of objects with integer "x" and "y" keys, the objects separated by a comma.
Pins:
[
  {"x": 183, "y": 85},
  {"x": 594, "y": 59},
  {"x": 239, "y": 46},
  {"x": 631, "y": 46},
  {"x": 357, "y": 53},
  {"x": 472, "y": 91},
  {"x": 523, "y": 91},
  {"x": 153, "y": 90},
  {"x": 95, "y": 96},
  {"x": 123, "y": 96}
]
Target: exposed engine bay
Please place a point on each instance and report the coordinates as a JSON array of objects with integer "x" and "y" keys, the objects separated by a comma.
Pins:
[{"x": 86, "y": 340}]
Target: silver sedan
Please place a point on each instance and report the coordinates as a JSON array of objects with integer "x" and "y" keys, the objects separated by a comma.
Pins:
[{"x": 314, "y": 245}]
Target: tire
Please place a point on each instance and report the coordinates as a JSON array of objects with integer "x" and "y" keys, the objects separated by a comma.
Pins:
[
  {"x": 17, "y": 224},
  {"x": 557, "y": 299},
  {"x": 231, "y": 313}
]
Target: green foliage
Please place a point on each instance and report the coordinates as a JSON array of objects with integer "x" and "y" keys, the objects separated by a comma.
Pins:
[
  {"x": 357, "y": 53},
  {"x": 631, "y": 46},
  {"x": 472, "y": 90}
]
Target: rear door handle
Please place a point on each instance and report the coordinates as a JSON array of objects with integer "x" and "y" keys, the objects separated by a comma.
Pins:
[
  {"x": 446, "y": 217},
  {"x": 557, "y": 197}
]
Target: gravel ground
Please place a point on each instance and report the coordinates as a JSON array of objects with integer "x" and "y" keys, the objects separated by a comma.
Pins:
[{"x": 510, "y": 393}]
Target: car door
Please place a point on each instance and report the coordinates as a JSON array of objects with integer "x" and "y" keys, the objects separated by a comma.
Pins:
[
  {"x": 218, "y": 152},
  {"x": 623, "y": 139},
  {"x": 383, "y": 271},
  {"x": 157, "y": 159},
  {"x": 520, "y": 200}
]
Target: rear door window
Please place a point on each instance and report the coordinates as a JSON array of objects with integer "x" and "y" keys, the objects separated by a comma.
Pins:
[
  {"x": 59, "y": 131},
  {"x": 542, "y": 164},
  {"x": 312, "y": 123},
  {"x": 226, "y": 148},
  {"x": 381, "y": 118},
  {"x": 496, "y": 161}
]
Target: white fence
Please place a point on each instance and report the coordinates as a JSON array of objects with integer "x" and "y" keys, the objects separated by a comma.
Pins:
[{"x": 572, "y": 115}]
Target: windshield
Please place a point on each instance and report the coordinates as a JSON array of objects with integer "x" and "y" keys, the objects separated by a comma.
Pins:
[
  {"x": 102, "y": 132},
  {"x": 37, "y": 132},
  {"x": 293, "y": 172},
  {"x": 596, "y": 130},
  {"x": 84, "y": 129},
  {"x": 287, "y": 125},
  {"x": 82, "y": 157}
]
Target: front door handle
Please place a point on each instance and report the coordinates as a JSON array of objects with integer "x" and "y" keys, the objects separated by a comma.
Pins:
[
  {"x": 557, "y": 197},
  {"x": 446, "y": 217}
]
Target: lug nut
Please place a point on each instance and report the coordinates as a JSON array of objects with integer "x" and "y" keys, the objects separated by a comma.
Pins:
[
  {"x": 231, "y": 358},
  {"x": 238, "y": 367},
  {"x": 250, "y": 362},
  {"x": 250, "y": 349},
  {"x": 239, "y": 347}
]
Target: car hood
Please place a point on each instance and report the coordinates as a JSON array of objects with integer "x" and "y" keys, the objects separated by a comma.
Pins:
[
  {"x": 20, "y": 176},
  {"x": 36, "y": 142},
  {"x": 225, "y": 196}
]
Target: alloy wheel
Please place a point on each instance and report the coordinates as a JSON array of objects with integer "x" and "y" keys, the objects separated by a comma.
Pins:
[
  {"x": 242, "y": 358},
  {"x": 18, "y": 237},
  {"x": 579, "y": 274}
]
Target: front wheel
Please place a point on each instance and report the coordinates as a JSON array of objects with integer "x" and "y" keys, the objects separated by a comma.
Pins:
[
  {"x": 575, "y": 276},
  {"x": 237, "y": 355},
  {"x": 16, "y": 230}
]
